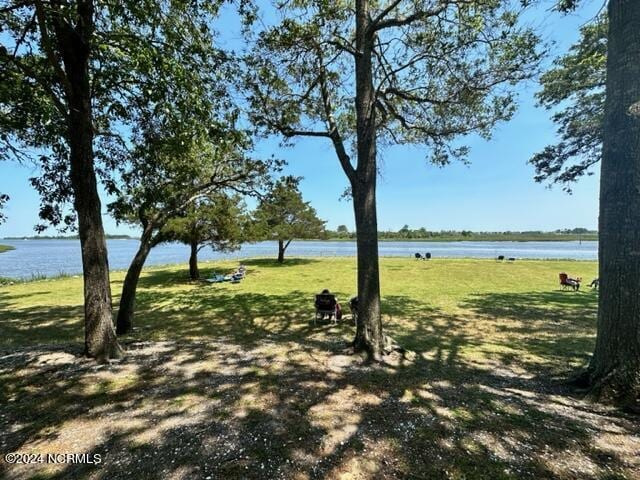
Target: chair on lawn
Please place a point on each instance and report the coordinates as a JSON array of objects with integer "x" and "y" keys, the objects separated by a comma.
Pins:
[
  {"x": 326, "y": 304},
  {"x": 427, "y": 256},
  {"x": 215, "y": 278},
  {"x": 418, "y": 256},
  {"x": 566, "y": 282},
  {"x": 500, "y": 258},
  {"x": 353, "y": 306}
]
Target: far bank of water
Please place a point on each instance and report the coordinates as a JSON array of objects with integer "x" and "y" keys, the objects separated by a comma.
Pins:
[{"x": 54, "y": 257}]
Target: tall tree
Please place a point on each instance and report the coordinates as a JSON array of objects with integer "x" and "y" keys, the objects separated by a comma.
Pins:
[
  {"x": 614, "y": 370},
  {"x": 71, "y": 74},
  {"x": 365, "y": 73},
  {"x": 216, "y": 221},
  {"x": 575, "y": 85},
  {"x": 283, "y": 215},
  {"x": 51, "y": 58},
  {"x": 172, "y": 168},
  {"x": 604, "y": 125}
]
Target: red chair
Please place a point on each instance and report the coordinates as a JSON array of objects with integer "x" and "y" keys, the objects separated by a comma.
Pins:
[{"x": 566, "y": 282}]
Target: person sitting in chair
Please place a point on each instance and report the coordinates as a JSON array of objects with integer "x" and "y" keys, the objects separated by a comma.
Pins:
[
  {"x": 322, "y": 305},
  {"x": 575, "y": 282}
]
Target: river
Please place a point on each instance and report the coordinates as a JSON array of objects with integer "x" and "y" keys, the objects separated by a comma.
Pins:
[{"x": 54, "y": 257}]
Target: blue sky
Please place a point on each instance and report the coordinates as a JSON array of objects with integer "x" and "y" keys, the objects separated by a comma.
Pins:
[{"x": 495, "y": 192}]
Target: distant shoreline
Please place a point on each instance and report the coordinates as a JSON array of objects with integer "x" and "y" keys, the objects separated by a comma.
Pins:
[
  {"x": 72, "y": 237},
  {"x": 6, "y": 248},
  {"x": 479, "y": 238},
  {"x": 444, "y": 239}
]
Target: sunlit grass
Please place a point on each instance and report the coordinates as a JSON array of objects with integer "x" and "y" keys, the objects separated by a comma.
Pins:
[
  {"x": 236, "y": 380},
  {"x": 482, "y": 308}
]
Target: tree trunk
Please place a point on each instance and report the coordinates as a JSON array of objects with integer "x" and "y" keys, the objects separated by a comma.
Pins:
[
  {"x": 100, "y": 338},
  {"x": 130, "y": 285},
  {"x": 614, "y": 370},
  {"x": 282, "y": 247},
  {"x": 280, "y": 251},
  {"x": 369, "y": 336},
  {"x": 194, "y": 273}
]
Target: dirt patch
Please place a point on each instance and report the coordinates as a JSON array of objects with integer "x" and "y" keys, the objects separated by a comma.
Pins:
[{"x": 216, "y": 409}]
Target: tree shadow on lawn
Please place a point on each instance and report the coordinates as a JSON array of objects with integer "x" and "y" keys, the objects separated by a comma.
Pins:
[
  {"x": 557, "y": 328},
  {"x": 270, "y": 263},
  {"x": 262, "y": 393},
  {"x": 194, "y": 410},
  {"x": 243, "y": 317},
  {"x": 40, "y": 324}
]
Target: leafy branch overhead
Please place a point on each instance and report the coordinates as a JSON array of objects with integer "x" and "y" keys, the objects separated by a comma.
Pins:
[
  {"x": 575, "y": 89},
  {"x": 441, "y": 69},
  {"x": 142, "y": 52}
]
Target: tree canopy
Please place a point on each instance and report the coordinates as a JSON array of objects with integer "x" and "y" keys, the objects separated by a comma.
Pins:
[
  {"x": 140, "y": 52},
  {"x": 575, "y": 89},
  {"x": 283, "y": 215},
  {"x": 217, "y": 220},
  {"x": 439, "y": 71}
]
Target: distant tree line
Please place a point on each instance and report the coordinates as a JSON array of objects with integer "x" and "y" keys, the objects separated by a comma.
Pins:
[
  {"x": 407, "y": 233},
  {"x": 108, "y": 236}
]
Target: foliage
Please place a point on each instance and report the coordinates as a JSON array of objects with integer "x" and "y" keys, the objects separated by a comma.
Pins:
[
  {"x": 282, "y": 214},
  {"x": 216, "y": 220},
  {"x": 422, "y": 234},
  {"x": 439, "y": 71},
  {"x": 4, "y": 198},
  {"x": 575, "y": 86},
  {"x": 170, "y": 171},
  {"x": 141, "y": 51}
]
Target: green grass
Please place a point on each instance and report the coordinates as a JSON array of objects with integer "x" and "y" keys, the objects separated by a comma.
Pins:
[
  {"x": 239, "y": 383},
  {"x": 418, "y": 299},
  {"x": 6, "y": 248}
]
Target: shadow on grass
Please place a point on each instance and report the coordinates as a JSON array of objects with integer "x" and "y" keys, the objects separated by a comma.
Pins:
[
  {"x": 577, "y": 308},
  {"x": 219, "y": 410},
  {"x": 263, "y": 393},
  {"x": 555, "y": 329},
  {"x": 272, "y": 263}
]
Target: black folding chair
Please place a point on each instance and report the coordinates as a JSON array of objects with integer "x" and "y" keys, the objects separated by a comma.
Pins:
[{"x": 326, "y": 304}]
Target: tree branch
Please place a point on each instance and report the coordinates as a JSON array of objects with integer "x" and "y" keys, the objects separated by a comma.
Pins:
[
  {"x": 336, "y": 138},
  {"x": 29, "y": 72},
  {"x": 54, "y": 61},
  {"x": 376, "y": 21},
  {"x": 302, "y": 133},
  {"x": 406, "y": 20}
]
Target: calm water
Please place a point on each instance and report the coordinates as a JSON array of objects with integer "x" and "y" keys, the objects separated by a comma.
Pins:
[{"x": 52, "y": 257}]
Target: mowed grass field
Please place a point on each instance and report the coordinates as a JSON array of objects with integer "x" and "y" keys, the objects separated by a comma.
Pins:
[{"x": 236, "y": 380}]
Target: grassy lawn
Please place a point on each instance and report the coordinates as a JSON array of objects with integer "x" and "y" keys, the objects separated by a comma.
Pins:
[{"x": 235, "y": 381}]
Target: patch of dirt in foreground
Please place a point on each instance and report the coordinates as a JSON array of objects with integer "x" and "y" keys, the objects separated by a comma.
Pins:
[{"x": 209, "y": 410}]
